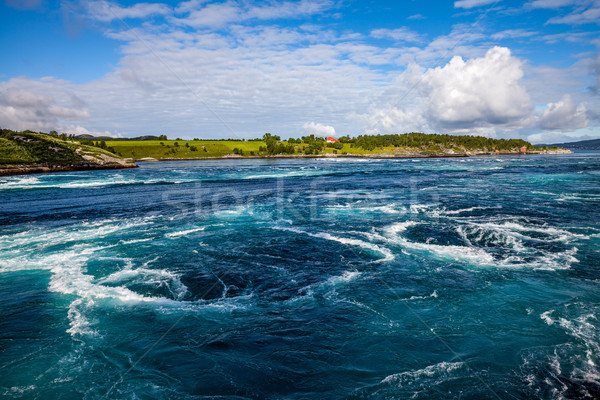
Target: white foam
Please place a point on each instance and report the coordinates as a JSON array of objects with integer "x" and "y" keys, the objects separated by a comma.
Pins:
[
  {"x": 79, "y": 324},
  {"x": 434, "y": 295},
  {"x": 132, "y": 241},
  {"x": 184, "y": 233},
  {"x": 430, "y": 371},
  {"x": 346, "y": 277},
  {"x": 459, "y": 253},
  {"x": 400, "y": 227},
  {"x": 287, "y": 174},
  {"x": 18, "y": 182},
  {"x": 547, "y": 318}
]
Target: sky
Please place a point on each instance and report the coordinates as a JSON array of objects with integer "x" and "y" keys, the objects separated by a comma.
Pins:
[{"x": 240, "y": 68}]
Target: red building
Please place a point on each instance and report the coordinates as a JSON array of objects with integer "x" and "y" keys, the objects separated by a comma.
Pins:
[{"x": 332, "y": 140}]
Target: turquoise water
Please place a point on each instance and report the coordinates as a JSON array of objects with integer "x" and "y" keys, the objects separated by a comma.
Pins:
[{"x": 304, "y": 279}]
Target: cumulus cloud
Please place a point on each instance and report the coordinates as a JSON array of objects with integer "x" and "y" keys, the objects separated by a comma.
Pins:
[
  {"x": 45, "y": 105},
  {"x": 564, "y": 115},
  {"x": 478, "y": 92},
  {"x": 472, "y": 3},
  {"x": 393, "y": 119},
  {"x": 317, "y": 129}
]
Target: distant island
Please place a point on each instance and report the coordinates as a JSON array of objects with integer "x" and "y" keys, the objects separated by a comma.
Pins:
[
  {"x": 593, "y": 144},
  {"x": 30, "y": 152}
]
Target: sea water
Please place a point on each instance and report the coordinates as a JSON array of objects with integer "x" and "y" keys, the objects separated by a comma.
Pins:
[{"x": 304, "y": 279}]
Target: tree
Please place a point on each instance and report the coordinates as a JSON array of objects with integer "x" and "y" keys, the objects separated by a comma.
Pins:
[{"x": 162, "y": 137}]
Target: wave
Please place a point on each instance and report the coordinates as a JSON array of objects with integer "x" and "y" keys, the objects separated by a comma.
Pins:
[
  {"x": 408, "y": 377},
  {"x": 382, "y": 251},
  {"x": 53, "y": 181},
  {"x": 434, "y": 294},
  {"x": 287, "y": 174},
  {"x": 68, "y": 252},
  {"x": 184, "y": 233},
  {"x": 391, "y": 208},
  {"x": 488, "y": 244},
  {"x": 570, "y": 369}
]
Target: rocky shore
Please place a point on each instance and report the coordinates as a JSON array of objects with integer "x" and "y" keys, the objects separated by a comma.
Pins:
[{"x": 21, "y": 169}]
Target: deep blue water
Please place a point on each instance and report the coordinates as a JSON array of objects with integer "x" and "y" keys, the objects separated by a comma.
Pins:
[{"x": 461, "y": 278}]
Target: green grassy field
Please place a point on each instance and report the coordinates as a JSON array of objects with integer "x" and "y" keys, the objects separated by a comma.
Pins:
[
  {"x": 211, "y": 148},
  {"x": 184, "y": 148}
]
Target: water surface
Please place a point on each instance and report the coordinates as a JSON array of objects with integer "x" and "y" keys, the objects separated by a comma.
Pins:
[{"x": 304, "y": 279}]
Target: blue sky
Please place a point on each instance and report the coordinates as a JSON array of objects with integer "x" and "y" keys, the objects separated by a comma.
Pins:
[{"x": 239, "y": 68}]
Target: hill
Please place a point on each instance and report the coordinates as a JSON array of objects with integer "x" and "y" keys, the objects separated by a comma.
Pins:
[
  {"x": 29, "y": 152},
  {"x": 105, "y": 138},
  {"x": 593, "y": 144}
]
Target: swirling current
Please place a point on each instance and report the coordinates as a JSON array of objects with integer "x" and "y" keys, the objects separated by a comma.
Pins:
[{"x": 470, "y": 278}]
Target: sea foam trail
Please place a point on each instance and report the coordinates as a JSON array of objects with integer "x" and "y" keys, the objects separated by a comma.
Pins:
[
  {"x": 184, "y": 233},
  {"x": 441, "y": 369},
  {"x": 386, "y": 253},
  {"x": 510, "y": 251}
]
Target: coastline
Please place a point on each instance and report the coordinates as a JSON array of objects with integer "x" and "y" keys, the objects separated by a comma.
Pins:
[
  {"x": 26, "y": 169},
  {"x": 381, "y": 156}
]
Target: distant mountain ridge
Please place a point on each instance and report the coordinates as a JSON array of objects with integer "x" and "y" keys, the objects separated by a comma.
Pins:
[
  {"x": 90, "y": 137},
  {"x": 592, "y": 144}
]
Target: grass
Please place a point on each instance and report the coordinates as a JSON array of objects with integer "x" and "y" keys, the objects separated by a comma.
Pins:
[
  {"x": 168, "y": 149},
  {"x": 35, "y": 148}
]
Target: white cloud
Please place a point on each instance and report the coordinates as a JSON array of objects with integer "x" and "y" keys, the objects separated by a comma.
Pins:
[
  {"x": 217, "y": 15},
  {"x": 394, "y": 119},
  {"x": 589, "y": 16},
  {"x": 254, "y": 77},
  {"x": 472, "y": 3},
  {"x": 478, "y": 92},
  {"x": 213, "y": 15},
  {"x": 564, "y": 115},
  {"x": 596, "y": 72},
  {"x": 551, "y": 4},
  {"x": 313, "y": 128},
  {"x": 513, "y": 34},
  {"x": 105, "y": 11},
  {"x": 400, "y": 34},
  {"x": 39, "y": 105}
]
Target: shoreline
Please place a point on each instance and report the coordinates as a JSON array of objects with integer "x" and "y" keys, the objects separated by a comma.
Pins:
[
  {"x": 382, "y": 156},
  {"x": 41, "y": 168},
  {"x": 26, "y": 169}
]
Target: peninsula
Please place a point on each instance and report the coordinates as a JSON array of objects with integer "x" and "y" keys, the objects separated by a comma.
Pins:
[{"x": 31, "y": 152}]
